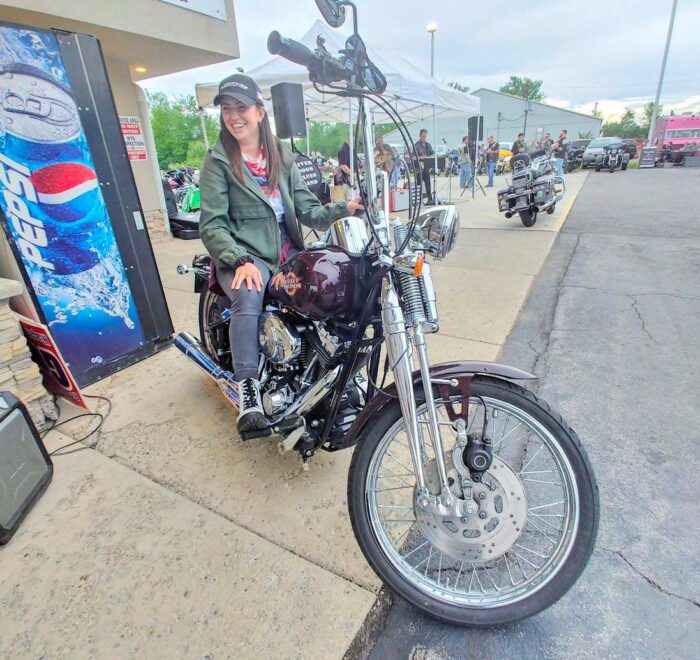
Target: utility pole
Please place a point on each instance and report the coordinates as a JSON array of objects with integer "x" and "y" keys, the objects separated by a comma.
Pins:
[{"x": 661, "y": 74}]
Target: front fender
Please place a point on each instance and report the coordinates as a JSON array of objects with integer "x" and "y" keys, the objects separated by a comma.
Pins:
[{"x": 462, "y": 371}]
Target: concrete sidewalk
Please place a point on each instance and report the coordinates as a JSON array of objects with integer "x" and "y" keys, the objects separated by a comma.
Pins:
[{"x": 172, "y": 502}]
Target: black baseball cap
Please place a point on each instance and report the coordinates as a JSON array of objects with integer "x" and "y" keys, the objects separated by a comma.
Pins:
[{"x": 239, "y": 87}]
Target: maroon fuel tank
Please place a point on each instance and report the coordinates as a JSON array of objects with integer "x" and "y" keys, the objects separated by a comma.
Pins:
[{"x": 319, "y": 284}]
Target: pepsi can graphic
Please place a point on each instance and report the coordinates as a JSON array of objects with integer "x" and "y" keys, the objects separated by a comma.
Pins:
[
  {"x": 42, "y": 125},
  {"x": 54, "y": 210}
]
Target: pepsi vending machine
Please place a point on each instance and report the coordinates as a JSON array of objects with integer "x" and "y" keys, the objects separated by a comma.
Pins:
[{"x": 69, "y": 204}]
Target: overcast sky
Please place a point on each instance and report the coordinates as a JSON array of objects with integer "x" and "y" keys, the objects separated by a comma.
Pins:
[{"x": 585, "y": 51}]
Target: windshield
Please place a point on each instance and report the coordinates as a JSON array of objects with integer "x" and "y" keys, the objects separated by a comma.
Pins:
[{"x": 601, "y": 142}]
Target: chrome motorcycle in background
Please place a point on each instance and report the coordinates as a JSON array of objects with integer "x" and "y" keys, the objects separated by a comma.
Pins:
[
  {"x": 614, "y": 155},
  {"x": 468, "y": 495},
  {"x": 533, "y": 188}
]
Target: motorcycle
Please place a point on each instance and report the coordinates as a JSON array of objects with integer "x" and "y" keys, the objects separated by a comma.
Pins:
[
  {"x": 468, "y": 495},
  {"x": 534, "y": 187},
  {"x": 574, "y": 159},
  {"x": 615, "y": 155}
]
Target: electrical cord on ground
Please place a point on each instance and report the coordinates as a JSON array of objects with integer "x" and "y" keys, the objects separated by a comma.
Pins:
[{"x": 100, "y": 416}]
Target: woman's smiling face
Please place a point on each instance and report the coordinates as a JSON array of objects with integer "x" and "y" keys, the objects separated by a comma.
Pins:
[{"x": 243, "y": 122}]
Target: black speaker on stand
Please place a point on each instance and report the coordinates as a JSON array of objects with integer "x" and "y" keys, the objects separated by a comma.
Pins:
[
  {"x": 25, "y": 466},
  {"x": 476, "y": 129},
  {"x": 288, "y": 108}
]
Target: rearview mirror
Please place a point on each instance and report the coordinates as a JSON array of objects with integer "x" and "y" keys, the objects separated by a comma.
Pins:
[
  {"x": 332, "y": 11},
  {"x": 373, "y": 79}
]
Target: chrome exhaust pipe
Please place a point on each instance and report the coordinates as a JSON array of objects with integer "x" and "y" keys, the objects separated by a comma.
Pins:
[{"x": 194, "y": 350}]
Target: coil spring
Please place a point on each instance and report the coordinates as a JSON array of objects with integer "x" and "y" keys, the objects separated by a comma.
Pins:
[{"x": 414, "y": 309}]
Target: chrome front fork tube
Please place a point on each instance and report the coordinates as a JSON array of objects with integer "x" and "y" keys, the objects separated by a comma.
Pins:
[
  {"x": 400, "y": 354},
  {"x": 445, "y": 497}
]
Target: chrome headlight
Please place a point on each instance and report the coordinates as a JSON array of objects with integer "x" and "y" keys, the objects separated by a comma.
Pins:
[{"x": 437, "y": 230}]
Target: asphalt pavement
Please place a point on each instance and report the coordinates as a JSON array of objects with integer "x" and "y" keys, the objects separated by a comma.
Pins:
[{"x": 612, "y": 326}]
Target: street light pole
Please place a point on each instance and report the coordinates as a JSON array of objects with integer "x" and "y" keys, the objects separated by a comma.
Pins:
[
  {"x": 432, "y": 29},
  {"x": 661, "y": 74}
]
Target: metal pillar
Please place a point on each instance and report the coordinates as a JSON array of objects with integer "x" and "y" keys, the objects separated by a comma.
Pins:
[
  {"x": 204, "y": 128},
  {"x": 661, "y": 74},
  {"x": 351, "y": 143}
]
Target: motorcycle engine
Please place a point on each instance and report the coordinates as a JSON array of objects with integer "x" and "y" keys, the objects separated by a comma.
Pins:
[{"x": 280, "y": 343}]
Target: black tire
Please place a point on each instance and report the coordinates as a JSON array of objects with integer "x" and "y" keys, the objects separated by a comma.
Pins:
[
  {"x": 597, "y": 168},
  {"x": 549, "y": 593},
  {"x": 551, "y": 209},
  {"x": 623, "y": 167},
  {"x": 528, "y": 218},
  {"x": 216, "y": 342}
]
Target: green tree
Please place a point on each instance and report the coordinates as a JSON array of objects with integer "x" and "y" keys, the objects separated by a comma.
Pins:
[
  {"x": 628, "y": 120},
  {"x": 458, "y": 86},
  {"x": 648, "y": 111},
  {"x": 525, "y": 88},
  {"x": 177, "y": 129},
  {"x": 325, "y": 138},
  {"x": 596, "y": 113},
  {"x": 626, "y": 127}
]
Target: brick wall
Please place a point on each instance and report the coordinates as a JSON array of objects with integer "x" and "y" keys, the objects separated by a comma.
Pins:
[{"x": 19, "y": 374}]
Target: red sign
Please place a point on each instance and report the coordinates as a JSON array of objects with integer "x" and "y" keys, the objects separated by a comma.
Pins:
[{"x": 57, "y": 376}]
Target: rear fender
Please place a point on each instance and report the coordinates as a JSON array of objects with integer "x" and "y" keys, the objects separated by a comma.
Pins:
[{"x": 460, "y": 372}]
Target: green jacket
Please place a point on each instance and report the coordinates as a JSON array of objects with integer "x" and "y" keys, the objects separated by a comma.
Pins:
[{"x": 237, "y": 220}]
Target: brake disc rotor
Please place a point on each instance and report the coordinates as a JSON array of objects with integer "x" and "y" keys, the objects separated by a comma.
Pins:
[{"x": 487, "y": 534}]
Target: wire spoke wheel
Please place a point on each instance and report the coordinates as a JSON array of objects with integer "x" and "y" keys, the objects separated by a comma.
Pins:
[
  {"x": 213, "y": 336},
  {"x": 523, "y": 533}
]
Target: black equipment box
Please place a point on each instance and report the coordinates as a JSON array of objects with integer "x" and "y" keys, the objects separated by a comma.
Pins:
[
  {"x": 25, "y": 466},
  {"x": 288, "y": 109}
]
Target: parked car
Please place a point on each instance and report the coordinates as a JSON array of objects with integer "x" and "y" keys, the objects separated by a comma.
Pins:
[
  {"x": 631, "y": 147},
  {"x": 578, "y": 144},
  {"x": 595, "y": 149}
]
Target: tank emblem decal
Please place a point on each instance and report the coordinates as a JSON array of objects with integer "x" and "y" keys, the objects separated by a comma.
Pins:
[{"x": 290, "y": 282}]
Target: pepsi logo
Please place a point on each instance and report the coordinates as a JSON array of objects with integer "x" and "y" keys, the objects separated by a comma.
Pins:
[{"x": 66, "y": 191}]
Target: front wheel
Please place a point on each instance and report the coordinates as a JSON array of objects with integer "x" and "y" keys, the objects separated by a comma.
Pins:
[
  {"x": 536, "y": 517},
  {"x": 528, "y": 218}
]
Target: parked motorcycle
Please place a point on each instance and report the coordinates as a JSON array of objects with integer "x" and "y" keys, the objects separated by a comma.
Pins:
[
  {"x": 574, "y": 159},
  {"x": 468, "y": 494},
  {"x": 615, "y": 155},
  {"x": 534, "y": 187}
]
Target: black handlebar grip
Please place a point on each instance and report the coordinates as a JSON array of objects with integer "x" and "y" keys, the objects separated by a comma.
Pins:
[{"x": 289, "y": 49}]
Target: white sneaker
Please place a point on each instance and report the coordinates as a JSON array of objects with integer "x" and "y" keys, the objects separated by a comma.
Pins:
[{"x": 252, "y": 415}]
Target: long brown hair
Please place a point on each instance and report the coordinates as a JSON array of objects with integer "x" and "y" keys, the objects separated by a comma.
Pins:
[{"x": 273, "y": 153}]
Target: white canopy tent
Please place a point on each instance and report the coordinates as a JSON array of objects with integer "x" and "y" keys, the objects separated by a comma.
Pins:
[
  {"x": 414, "y": 94},
  {"x": 411, "y": 92}
]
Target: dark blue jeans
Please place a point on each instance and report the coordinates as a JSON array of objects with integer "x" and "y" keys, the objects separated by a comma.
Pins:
[{"x": 491, "y": 169}]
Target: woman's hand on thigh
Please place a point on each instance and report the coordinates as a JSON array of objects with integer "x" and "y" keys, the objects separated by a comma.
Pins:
[{"x": 250, "y": 274}]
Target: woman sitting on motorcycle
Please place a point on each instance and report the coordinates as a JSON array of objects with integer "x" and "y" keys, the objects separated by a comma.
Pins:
[{"x": 252, "y": 199}]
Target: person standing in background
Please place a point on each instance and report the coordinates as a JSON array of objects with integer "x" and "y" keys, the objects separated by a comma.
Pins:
[
  {"x": 559, "y": 149},
  {"x": 546, "y": 142},
  {"x": 384, "y": 156},
  {"x": 465, "y": 162},
  {"x": 492, "y": 149},
  {"x": 519, "y": 146},
  {"x": 424, "y": 153}
]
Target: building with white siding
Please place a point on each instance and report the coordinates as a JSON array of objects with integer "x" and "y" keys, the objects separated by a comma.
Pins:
[{"x": 504, "y": 116}]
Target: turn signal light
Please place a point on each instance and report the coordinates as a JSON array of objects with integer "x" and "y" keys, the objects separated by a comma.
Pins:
[{"x": 418, "y": 268}]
